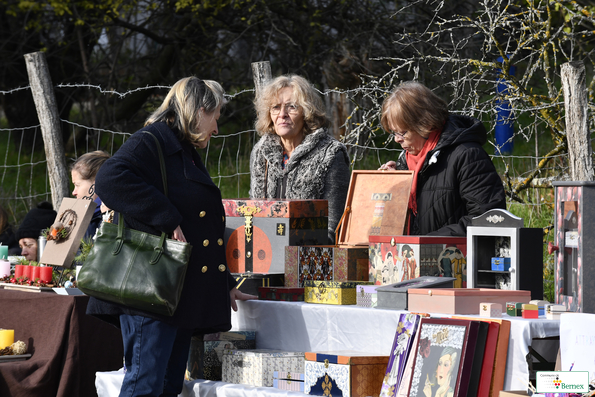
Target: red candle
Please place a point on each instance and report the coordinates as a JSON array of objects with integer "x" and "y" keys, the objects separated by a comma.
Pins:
[
  {"x": 34, "y": 272},
  {"x": 27, "y": 271},
  {"x": 18, "y": 270},
  {"x": 45, "y": 274}
]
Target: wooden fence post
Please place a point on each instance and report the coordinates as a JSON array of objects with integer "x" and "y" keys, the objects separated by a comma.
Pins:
[
  {"x": 261, "y": 74},
  {"x": 47, "y": 112},
  {"x": 577, "y": 128}
]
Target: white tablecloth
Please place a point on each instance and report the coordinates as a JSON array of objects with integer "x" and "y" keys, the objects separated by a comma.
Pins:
[{"x": 298, "y": 326}]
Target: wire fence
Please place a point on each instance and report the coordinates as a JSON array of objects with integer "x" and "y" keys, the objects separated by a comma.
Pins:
[{"x": 24, "y": 176}]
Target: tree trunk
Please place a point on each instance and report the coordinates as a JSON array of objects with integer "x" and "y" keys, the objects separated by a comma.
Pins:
[
  {"x": 577, "y": 129},
  {"x": 49, "y": 119}
]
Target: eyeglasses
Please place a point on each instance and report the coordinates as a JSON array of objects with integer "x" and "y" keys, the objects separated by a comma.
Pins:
[
  {"x": 290, "y": 108},
  {"x": 400, "y": 134}
]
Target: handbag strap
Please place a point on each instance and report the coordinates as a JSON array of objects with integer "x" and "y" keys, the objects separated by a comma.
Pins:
[{"x": 158, "y": 250}]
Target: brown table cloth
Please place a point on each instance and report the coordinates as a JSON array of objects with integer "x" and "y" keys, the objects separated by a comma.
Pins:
[{"x": 67, "y": 346}]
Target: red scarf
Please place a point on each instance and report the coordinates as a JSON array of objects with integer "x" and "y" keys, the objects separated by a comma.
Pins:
[{"x": 415, "y": 162}]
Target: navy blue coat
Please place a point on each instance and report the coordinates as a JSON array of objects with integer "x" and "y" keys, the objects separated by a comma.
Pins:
[{"x": 130, "y": 183}]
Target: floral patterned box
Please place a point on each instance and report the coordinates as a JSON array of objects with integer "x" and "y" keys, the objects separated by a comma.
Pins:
[
  {"x": 325, "y": 262},
  {"x": 344, "y": 373},
  {"x": 256, "y": 366}
]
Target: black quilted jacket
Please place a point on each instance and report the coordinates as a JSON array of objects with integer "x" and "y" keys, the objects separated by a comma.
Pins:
[{"x": 457, "y": 181}]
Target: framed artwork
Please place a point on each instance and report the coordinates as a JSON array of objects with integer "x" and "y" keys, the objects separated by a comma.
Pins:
[
  {"x": 441, "y": 358},
  {"x": 401, "y": 350}
]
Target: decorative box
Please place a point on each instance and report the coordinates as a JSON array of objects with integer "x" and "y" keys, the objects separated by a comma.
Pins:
[
  {"x": 518, "y": 309},
  {"x": 332, "y": 292},
  {"x": 511, "y": 308},
  {"x": 250, "y": 282},
  {"x": 541, "y": 304},
  {"x": 399, "y": 353},
  {"x": 257, "y": 231},
  {"x": 553, "y": 312},
  {"x": 256, "y": 367},
  {"x": 206, "y": 351},
  {"x": 530, "y": 311},
  {"x": 293, "y": 381},
  {"x": 345, "y": 373},
  {"x": 460, "y": 300},
  {"x": 398, "y": 258},
  {"x": 376, "y": 203},
  {"x": 366, "y": 295},
  {"x": 490, "y": 309},
  {"x": 325, "y": 262},
  {"x": 289, "y": 294},
  {"x": 501, "y": 264},
  {"x": 394, "y": 296}
]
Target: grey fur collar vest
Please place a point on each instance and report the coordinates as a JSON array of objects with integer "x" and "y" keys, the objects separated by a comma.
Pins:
[{"x": 305, "y": 170}]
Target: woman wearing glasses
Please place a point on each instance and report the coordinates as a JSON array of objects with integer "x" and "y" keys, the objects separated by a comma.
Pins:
[
  {"x": 295, "y": 157},
  {"x": 454, "y": 178}
]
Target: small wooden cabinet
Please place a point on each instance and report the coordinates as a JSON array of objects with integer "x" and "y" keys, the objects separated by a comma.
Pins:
[
  {"x": 574, "y": 251},
  {"x": 500, "y": 234}
]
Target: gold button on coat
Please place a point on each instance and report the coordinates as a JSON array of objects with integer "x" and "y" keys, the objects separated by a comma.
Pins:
[
  {"x": 223, "y": 218},
  {"x": 202, "y": 214},
  {"x": 221, "y": 268},
  {"x": 220, "y": 241},
  {"x": 204, "y": 269},
  {"x": 205, "y": 243}
]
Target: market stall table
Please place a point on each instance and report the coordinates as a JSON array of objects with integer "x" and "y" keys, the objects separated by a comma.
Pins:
[
  {"x": 67, "y": 346},
  {"x": 299, "y": 326}
]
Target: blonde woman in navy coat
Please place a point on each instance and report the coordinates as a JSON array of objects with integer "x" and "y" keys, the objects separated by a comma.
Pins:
[{"x": 156, "y": 347}]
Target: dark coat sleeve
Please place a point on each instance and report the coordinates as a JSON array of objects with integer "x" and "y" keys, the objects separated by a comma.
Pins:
[
  {"x": 121, "y": 183},
  {"x": 336, "y": 185},
  {"x": 480, "y": 187}
]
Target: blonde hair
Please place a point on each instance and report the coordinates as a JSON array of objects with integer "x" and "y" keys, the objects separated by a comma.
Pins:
[
  {"x": 414, "y": 107},
  {"x": 88, "y": 164},
  {"x": 180, "y": 109},
  {"x": 305, "y": 96}
]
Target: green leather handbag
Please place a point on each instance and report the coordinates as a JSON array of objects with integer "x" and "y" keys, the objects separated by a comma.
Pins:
[{"x": 136, "y": 269}]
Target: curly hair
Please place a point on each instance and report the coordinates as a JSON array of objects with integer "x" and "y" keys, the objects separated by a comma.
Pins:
[{"x": 305, "y": 96}]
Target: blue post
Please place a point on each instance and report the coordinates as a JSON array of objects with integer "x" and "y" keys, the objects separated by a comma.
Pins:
[{"x": 505, "y": 117}]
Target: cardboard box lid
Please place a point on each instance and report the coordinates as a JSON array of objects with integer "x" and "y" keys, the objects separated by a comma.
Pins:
[
  {"x": 230, "y": 335},
  {"x": 262, "y": 352},
  {"x": 334, "y": 284},
  {"x": 276, "y": 208},
  {"x": 419, "y": 282},
  {"x": 376, "y": 205},
  {"x": 469, "y": 292},
  {"x": 346, "y": 357},
  {"x": 418, "y": 240}
]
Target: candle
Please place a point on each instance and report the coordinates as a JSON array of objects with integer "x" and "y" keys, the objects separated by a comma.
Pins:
[
  {"x": 3, "y": 251},
  {"x": 18, "y": 271},
  {"x": 4, "y": 268},
  {"x": 34, "y": 272},
  {"x": 27, "y": 271},
  {"x": 6, "y": 337},
  {"x": 45, "y": 274}
]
